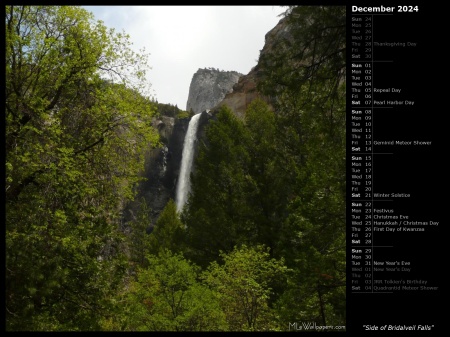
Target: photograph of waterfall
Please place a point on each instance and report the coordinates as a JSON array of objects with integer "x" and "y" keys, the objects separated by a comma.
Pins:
[
  {"x": 184, "y": 184},
  {"x": 219, "y": 208}
]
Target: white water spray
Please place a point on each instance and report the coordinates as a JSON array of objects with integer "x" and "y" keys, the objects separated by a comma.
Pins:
[{"x": 184, "y": 184}]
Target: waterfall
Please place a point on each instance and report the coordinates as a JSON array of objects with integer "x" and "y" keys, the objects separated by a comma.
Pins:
[{"x": 184, "y": 184}]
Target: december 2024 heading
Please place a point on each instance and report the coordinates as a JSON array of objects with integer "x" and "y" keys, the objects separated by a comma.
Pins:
[{"x": 383, "y": 9}]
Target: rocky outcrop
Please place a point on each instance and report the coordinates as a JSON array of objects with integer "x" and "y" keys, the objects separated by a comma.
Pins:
[
  {"x": 208, "y": 87},
  {"x": 243, "y": 93},
  {"x": 206, "y": 84},
  {"x": 162, "y": 166},
  {"x": 245, "y": 90},
  {"x": 165, "y": 126}
]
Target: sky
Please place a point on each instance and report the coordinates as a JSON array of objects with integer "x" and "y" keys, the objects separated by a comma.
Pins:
[{"x": 182, "y": 39}]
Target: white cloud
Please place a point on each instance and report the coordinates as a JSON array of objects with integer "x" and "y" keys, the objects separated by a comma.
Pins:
[{"x": 182, "y": 39}]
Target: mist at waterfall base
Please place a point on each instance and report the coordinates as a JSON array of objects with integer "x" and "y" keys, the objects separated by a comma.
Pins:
[{"x": 184, "y": 184}]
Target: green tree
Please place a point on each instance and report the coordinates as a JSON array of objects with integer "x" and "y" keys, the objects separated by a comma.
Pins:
[
  {"x": 168, "y": 232},
  {"x": 138, "y": 239},
  {"x": 245, "y": 283},
  {"x": 269, "y": 188},
  {"x": 238, "y": 193},
  {"x": 218, "y": 214},
  {"x": 305, "y": 77},
  {"x": 167, "y": 297},
  {"x": 77, "y": 125}
]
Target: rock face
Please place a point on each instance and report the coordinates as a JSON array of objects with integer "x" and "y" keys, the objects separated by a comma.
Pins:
[
  {"x": 245, "y": 90},
  {"x": 243, "y": 93},
  {"x": 208, "y": 87},
  {"x": 163, "y": 165},
  {"x": 161, "y": 170}
]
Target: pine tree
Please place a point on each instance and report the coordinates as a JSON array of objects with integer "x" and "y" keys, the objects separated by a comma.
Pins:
[
  {"x": 305, "y": 76},
  {"x": 217, "y": 216},
  {"x": 168, "y": 232}
]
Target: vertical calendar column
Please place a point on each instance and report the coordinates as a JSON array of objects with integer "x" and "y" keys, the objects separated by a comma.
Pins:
[
  {"x": 394, "y": 171},
  {"x": 361, "y": 153}
]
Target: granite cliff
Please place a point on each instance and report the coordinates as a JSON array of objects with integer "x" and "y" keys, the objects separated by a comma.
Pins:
[
  {"x": 208, "y": 87},
  {"x": 245, "y": 90},
  {"x": 162, "y": 167}
]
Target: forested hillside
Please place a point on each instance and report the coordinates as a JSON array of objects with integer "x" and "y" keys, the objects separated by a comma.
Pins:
[{"x": 260, "y": 243}]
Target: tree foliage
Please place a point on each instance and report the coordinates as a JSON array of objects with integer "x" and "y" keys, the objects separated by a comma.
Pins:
[
  {"x": 245, "y": 283},
  {"x": 168, "y": 297},
  {"x": 168, "y": 232},
  {"x": 137, "y": 238},
  {"x": 305, "y": 76},
  {"x": 75, "y": 140},
  {"x": 173, "y": 294},
  {"x": 278, "y": 177},
  {"x": 217, "y": 217}
]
